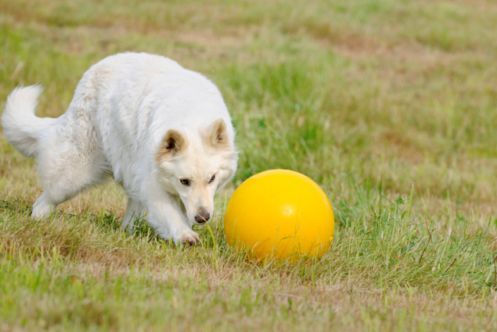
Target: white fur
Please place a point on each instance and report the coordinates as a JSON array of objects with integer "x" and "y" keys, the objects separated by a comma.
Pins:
[{"x": 116, "y": 123}]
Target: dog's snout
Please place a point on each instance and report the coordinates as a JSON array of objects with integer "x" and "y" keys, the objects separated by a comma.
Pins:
[{"x": 202, "y": 216}]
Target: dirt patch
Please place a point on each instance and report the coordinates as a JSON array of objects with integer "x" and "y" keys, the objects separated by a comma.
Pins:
[{"x": 401, "y": 146}]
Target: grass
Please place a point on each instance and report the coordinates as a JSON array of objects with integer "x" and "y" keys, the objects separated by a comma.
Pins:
[{"x": 389, "y": 105}]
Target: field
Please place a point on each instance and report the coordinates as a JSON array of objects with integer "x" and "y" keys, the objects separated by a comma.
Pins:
[{"x": 390, "y": 105}]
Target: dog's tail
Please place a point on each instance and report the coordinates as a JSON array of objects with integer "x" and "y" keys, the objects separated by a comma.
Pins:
[{"x": 20, "y": 124}]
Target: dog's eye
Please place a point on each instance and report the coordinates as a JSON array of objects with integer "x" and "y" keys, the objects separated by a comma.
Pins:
[
  {"x": 212, "y": 178},
  {"x": 185, "y": 182}
]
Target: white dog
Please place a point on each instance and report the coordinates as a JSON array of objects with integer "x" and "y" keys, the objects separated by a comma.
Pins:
[{"x": 161, "y": 130}]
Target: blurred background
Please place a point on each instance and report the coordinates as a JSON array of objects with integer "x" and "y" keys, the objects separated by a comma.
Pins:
[{"x": 381, "y": 90}]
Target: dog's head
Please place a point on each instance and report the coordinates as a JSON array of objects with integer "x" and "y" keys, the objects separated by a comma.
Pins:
[{"x": 193, "y": 166}]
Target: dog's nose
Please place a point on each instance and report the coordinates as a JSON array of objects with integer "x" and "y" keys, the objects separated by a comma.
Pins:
[{"x": 202, "y": 216}]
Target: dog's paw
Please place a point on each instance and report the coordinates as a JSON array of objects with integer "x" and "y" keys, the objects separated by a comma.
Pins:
[
  {"x": 41, "y": 210},
  {"x": 188, "y": 237}
]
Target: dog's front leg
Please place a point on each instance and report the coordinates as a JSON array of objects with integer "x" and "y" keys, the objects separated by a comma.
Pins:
[{"x": 168, "y": 220}]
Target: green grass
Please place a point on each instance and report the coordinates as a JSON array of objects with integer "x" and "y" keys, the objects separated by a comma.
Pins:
[{"x": 390, "y": 105}]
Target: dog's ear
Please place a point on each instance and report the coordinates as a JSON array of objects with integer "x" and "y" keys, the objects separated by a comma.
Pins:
[
  {"x": 172, "y": 144},
  {"x": 217, "y": 135}
]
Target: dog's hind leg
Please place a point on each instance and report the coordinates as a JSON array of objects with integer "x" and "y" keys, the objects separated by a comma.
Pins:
[
  {"x": 65, "y": 171},
  {"x": 61, "y": 189},
  {"x": 68, "y": 184},
  {"x": 134, "y": 210},
  {"x": 69, "y": 152}
]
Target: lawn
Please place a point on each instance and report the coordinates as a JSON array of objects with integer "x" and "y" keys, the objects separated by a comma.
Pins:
[{"x": 390, "y": 105}]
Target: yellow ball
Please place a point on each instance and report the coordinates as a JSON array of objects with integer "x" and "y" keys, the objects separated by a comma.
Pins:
[{"x": 281, "y": 214}]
